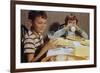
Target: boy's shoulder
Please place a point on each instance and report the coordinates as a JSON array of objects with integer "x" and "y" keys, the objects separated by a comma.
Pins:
[{"x": 30, "y": 35}]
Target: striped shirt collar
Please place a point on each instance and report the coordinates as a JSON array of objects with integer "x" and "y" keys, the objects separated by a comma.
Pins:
[{"x": 34, "y": 32}]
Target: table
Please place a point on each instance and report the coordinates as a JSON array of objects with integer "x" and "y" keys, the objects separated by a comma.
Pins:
[{"x": 79, "y": 46}]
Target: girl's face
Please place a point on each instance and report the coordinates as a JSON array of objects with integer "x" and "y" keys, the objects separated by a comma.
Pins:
[
  {"x": 72, "y": 25},
  {"x": 40, "y": 24},
  {"x": 72, "y": 22}
]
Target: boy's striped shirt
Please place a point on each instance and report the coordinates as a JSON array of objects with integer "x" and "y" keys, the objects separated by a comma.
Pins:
[{"x": 32, "y": 41}]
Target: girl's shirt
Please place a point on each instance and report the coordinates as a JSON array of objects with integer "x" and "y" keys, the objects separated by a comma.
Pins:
[{"x": 64, "y": 33}]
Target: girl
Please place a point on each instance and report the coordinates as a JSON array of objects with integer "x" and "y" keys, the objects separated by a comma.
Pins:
[{"x": 70, "y": 28}]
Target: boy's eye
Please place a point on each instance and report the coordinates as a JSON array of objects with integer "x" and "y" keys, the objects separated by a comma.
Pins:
[
  {"x": 39, "y": 22},
  {"x": 69, "y": 22}
]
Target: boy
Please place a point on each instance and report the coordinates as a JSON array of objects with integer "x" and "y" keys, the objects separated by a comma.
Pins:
[{"x": 33, "y": 41}]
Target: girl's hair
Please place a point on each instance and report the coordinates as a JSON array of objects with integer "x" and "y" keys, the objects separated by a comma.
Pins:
[
  {"x": 70, "y": 17},
  {"x": 33, "y": 14}
]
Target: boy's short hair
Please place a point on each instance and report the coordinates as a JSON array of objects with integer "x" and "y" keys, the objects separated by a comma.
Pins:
[
  {"x": 33, "y": 14},
  {"x": 70, "y": 17}
]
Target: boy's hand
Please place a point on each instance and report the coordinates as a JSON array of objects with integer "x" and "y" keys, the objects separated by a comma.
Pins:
[{"x": 50, "y": 45}]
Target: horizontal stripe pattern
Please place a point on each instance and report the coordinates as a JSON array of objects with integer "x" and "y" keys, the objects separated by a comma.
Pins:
[
  {"x": 31, "y": 42},
  {"x": 28, "y": 40},
  {"x": 29, "y": 45},
  {"x": 29, "y": 51}
]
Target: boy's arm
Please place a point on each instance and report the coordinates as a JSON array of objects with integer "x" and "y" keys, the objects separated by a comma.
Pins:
[{"x": 30, "y": 57}]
